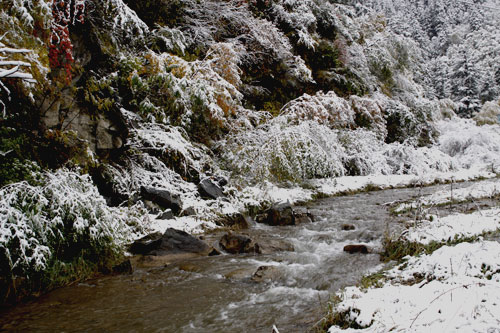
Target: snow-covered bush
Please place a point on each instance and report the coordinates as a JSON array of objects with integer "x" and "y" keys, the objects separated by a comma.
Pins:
[
  {"x": 406, "y": 159},
  {"x": 172, "y": 146},
  {"x": 60, "y": 222},
  {"x": 200, "y": 95},
  {"x": 489, "y": 114},
  {"x": 369, "y": 114},
  {"x": 326, "y": 109},
  {"x": 364, "y": 153},
  {"x": 469, "y": 144},
  {"x": 280, "y": 151}
]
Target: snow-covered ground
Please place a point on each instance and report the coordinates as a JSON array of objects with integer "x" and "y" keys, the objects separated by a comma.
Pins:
[
  {"x": 453, "y": 289},
  {"x": 481, "y": 190}
]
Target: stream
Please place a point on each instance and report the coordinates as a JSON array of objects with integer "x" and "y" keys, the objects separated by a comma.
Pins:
[{"x": 217, "y": 294}]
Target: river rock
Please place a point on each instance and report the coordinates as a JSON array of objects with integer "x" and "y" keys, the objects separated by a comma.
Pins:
[
  {"x": 236, "y": 221},
  {"x": 266, "y": 273},
  {"x": 356, "y": 248},
  {"x": 279, "y": 214},
  {"x": 233, "y": 243},
  {"x": 189, "y": 211},
  {"x": 171, "y": 242},
  {"x": 162, "y": 197},
  {"x": 210, "y": 189},
  {"x": 348, "y": 227},
  {"x": 302, "y": 218}
]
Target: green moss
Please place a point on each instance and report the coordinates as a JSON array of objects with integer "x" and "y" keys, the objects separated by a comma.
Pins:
[
  {"x": 397, "y": 249},
  {"x": 375, "y": 280},
  {"x": 334, "y": 318}
]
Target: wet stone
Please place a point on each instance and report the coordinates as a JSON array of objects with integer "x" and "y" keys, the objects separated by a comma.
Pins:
[
  {"x": 234, "y": 244},
  {"x": 236, "y": 221},
  {"x": 172, "y": 241},
  {"x": 266, "y": 273},
  {"x": 356, "y": 248},
  {"x": 123, "y": 268},
  {"x": 279, "y": 214},
  {"x": 348, "y": 227}
]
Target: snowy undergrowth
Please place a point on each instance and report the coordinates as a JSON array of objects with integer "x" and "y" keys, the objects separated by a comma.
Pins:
[
  {"x": 59, "y": 221},
  {"x": 453, "y": 289},
  {"x": 470, "y": 144}
]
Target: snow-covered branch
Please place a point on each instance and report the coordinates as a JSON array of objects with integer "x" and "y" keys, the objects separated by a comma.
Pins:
[{"x": 12, "y": 72}]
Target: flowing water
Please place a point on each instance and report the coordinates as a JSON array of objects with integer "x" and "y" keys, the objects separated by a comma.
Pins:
[{"x": 217, "y": 294}]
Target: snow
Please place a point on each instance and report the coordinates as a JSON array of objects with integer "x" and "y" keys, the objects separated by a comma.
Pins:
[
  {"x": 459, "y": 292},
  {"x": 189, "y": 224},
  {"x": 454, "y": 227}
]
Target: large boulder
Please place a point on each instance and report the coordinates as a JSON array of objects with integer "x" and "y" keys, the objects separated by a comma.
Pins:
[
  {"x": 209, "y": 188},
  {"x": 162, "y": 197},
  {"x": 233, "y": 243},
  {"x": 171, "y": 242}
]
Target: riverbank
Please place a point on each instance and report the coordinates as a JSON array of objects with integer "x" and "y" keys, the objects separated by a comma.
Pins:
[{"x": 446, "y": 279}]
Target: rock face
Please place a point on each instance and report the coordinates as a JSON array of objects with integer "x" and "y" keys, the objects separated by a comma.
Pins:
[
  {"x": 359, "y": 248},
  {"x": 209, "y": 188},
  {"x": 171, "y": 242},
  {"x": 103, "y": 133},
  {"x": 162, "y": 197},
  {"x": 235, "y": 244}
]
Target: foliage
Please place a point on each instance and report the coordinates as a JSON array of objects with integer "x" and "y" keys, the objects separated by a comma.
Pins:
[
  {"x": 57, "y": 228},
  {"x": 64, "y": 14}
]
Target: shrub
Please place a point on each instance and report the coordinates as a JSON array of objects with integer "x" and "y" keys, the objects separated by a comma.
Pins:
[{"x": 58, "y": 230}]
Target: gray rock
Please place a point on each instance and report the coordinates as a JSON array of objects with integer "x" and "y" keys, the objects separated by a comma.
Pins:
[
  {"x": 210, "y": 189},
  {"x": 171, "y": 242},
  {"x": 273, "y": 245},
  {"x": 162, "y": 197},
  {"x": 189, "y": 211}
]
